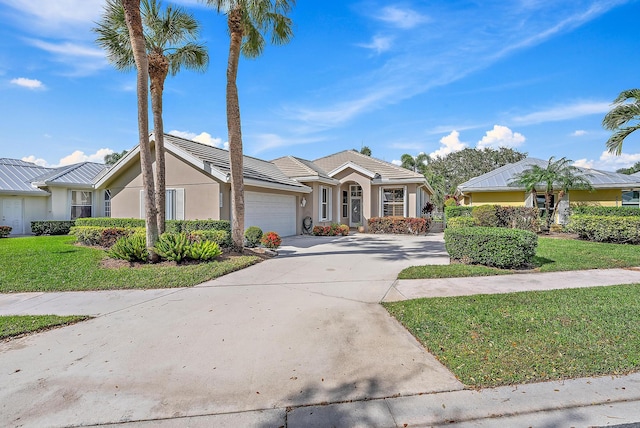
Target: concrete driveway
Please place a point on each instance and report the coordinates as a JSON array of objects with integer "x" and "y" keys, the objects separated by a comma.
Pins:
[{"x": 303, "y": 328}]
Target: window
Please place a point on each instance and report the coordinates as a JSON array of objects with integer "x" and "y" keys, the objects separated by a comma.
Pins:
[
  {"x": 345, "y": 203},
  {"x": 631, "y": 198},
  {"x": 107, "y": 203},
  {"x": 81, "y": 203},
  {"x": 173, "y": 204},
  {"x": 540, "y": 202},
  {"x": 170, "y": 204},
  {"x": 393, "y": 202},
  {"x": 325, "y": 203}
]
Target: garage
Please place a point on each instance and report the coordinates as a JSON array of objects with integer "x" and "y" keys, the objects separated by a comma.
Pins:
[{"x": 270, "y": 212}]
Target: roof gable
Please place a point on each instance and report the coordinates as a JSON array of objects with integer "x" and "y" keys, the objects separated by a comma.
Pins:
[
  {"x": 386, "y": 170},
  {"x": 16, "y": 176}
]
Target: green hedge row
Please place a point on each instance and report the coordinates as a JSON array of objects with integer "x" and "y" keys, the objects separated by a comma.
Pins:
[
  {"x": 457, "y": 211},
  {"x": 491, "y": 246},
  {"x": 606, "y": 228},
  {"x": 605, "y": 211},
  {"x": 458, "y": 222},
  {"x": 399, "y": 225},
  {"x": 107, "y": 236},
  {"x": 51, "y": 227}
]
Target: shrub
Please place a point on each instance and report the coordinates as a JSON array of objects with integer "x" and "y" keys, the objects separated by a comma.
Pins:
[
  {"x": 605, "y": 211},
  {"x": 220, "y": 237},
  {"x": 458, "y": 222},
  {"x": 491, "y": 246},
  {"x": 428, "y": 208},
  {"x": 457, "y": 211},
  {"x": 87, "y": 235},
  {"x": 525, "y": 218},
  {"x": 344, "y": 229},
  {"x": 191, "y": 225},
  {"x": 334, "y": 229},
  {"x": 173, "y": 246},
  {"x": 606, "y": 228},
  {"x": 486, "y": 215},
  {"x": 450, "y": 202},
  {"x": 204, "y": 250},
  {"x": 271, "y": 240},
  {"x": 399, "y": 225},
  {"x": 110, "y": 222},
  {"x": 252, "y": 236},
  {"x": 5, "y": 231},
  {"x": 132, "y": 248},
  {"x": 51, "y": 227}
]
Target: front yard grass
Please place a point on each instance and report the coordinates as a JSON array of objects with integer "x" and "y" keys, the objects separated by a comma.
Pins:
[
  {"x": 491, "y": 340},
  {"x": 552, "y": 255},
  {"x": 16, "y": 325},
  {"x": 54, "y": 263}
]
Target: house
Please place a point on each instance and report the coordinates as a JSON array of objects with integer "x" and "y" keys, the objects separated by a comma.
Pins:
[
  {"x": 609, "y": 189},
  {"x": 29, "y": 192},
  {"x": 346, "y": 187},
  {"x": 350, "y": 188}
]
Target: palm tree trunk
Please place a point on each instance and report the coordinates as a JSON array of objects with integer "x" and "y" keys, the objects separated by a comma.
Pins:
[
  {"x": 158, "y": 70},
  {"x": 134, "y": 24},
  {"x": 547, "y": 207},
  {"x": 234, "y": 128}
]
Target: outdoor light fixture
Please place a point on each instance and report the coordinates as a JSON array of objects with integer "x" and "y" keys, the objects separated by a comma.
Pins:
[{"x": 303, "y": 202}]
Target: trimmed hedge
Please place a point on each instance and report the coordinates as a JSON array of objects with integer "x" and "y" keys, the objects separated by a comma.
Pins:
[
  {"x": 334, "y": 230},
  {"x": 606, "y": 228},
  {"x": 457, "y": 211},
  {"x": 524, "y": 218},
  {"x": 110, "y": 222},
  {"x": 458, "y": 222},
  {"x": 52, "y": 227},
  {"x": 103, "y": 236},
  {"x": 486, "y": 215},
  {"x": 399, "y": 225},
  {"x": 605, "y": 211},
  {"x": 491, "y": 246}
]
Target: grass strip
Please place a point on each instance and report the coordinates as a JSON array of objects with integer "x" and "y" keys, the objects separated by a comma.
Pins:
[
  {"x": 492, "y": 340},
  {"x": 16, "y": 325}
]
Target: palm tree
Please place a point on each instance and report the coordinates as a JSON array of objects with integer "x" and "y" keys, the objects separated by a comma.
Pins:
[
  {"x": 558, "y": 175},
  {"x": 247, "y": 20},
  {"x": 135, "y": 38},
  {"x": 415, "y": 164},
  {"x": 170, "y": 44},
  {"x": 624, "y": 118}
]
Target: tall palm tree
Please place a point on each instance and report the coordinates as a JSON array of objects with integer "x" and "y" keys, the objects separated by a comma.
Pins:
[
  {"x": 170, "y": 40},
  {"x": 624, "y": 118},
  {"x": 248, "y": 22},
  {"x": 415, "y": 164},
  {"x": 559, "y": 175},
  {"x": 135, "y": 38}
]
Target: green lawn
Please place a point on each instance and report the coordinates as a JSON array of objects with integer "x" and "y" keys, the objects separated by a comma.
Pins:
[
  {"x": 16, "y": 325},
  {"x": 54, "y": 263},
  {"x": 552, "y": 255},
  {"x": 490, "y": 340}
]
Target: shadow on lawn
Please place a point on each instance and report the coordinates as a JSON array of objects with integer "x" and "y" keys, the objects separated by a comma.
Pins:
[{"x": 541, "y": 261}]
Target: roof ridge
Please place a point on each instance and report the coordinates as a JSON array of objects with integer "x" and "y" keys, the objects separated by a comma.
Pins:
[{"x": 497, "y": 171}]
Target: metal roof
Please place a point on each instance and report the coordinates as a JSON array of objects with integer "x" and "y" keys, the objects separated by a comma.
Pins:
[
  {"x": 83, "y": 173},
  {"x": 16, "y": 176},
  {"x": 499, "y": 179}
]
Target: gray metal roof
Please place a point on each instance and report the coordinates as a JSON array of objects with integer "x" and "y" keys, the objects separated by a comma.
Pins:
[
  {"x": 499, "y": 178},
  {"x": 83, "y": 173},
  {"x": 253, "y": 168},
  {"x": 16, "y": 176}
]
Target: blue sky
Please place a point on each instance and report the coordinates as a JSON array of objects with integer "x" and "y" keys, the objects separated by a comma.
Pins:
[{"x": 400, "y": 77}]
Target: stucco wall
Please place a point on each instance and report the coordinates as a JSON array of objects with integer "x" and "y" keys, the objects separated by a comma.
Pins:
[
  {"x": 34, "y": 208},
  {"x": 603, "y": 197},
  {"x": 508, "y": 199}
]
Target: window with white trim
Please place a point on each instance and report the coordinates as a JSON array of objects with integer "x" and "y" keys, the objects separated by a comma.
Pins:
[
  {"x": 107, "y": 203},
  {"x": 173, "y": 203},
  {"x": 325, "y": 204},
  {"x": 393, "y": 202},
  {"x": 81, "y": 204},
  {"x": 631, "y": 198}
]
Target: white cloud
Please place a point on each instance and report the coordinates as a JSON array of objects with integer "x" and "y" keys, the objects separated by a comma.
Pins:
[
  {"x": 37, "y": 161},
  {"x": 449, "y": 144},
  {"x": 401, "y": 18},
  {"x": 68, "y": 49},
  {"x": 609, "y": 161},
  {"x": 203, "y": 137},
  {"x": 396, "y": 162},
  {"x": 501, "y": 136},
  {"x": 559, "y": 113},
  {"x": 80, "y": 156},
  {"x": 59, "y": 15},
  {"x": 579, "y": 133},
  {"x": 378, "y": 44},
  {"x": 28, "y": 83}
]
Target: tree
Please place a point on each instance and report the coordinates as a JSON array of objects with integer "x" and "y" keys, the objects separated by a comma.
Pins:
[
  {"x": 415, "y": 164},
  {"x": 247, "y": 20},
  {"x": 169, "y": 38},
  {"x": 631, "y": 170},
  {"x": 136, "y": 39},
  {"x": 114, "y": 157},
  {"x": 365, "y": 150},
  {"x": 559, "y": 175},
  {"x": 623, "y": 119}
]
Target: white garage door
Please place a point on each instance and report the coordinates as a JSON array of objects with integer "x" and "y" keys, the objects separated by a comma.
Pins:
[{"x": 270, "y": 212}]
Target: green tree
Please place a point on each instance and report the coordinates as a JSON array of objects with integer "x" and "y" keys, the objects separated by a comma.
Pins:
[
  {"x": 365, "y": 150},
  {"x": 114, "y": 157},
  {"x": 623, "y": 119},
  {"x": 558, "y": 176},
  {"x": 416, "y": 164},
  {"x": 631, "y": 170},
  {"x": 135, "y": 37},
  {"x": 248, "y": 22},
  {"x": 170, "y": 39}
]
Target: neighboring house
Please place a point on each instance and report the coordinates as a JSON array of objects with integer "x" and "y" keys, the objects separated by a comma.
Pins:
[
  {"x": 350, "y": 188},
  {"x": 29, "y": 192},
  {"x": 609, "y": 189}
]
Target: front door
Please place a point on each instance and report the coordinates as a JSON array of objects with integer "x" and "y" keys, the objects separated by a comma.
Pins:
[
  {"x": 12, "y": 215},
  {"x": 355, "y": 219}
]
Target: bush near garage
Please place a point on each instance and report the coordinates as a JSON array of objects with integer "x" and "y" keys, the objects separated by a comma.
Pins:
[
  {"x": 606, "y": 228},
  {"x": 252, "y": 236},
  {"x": 400, "y": 225},
  {"x": 334, "y": 229},
  {"x": 491, "y": 246},
  {"x": 5, "y": 231},
  {"x": 271, "y": 240},
  {"x": 51, "y": 227}
]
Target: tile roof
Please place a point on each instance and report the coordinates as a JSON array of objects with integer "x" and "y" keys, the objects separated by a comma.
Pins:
[
  {"x": 297, "y": 167},
  {"x": 16, "y": 176},
  {"x": 386, "y": 170},
  {"x": 499, "y": 178}
]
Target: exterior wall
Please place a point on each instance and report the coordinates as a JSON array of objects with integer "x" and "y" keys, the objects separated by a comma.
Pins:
[
  {"x": 369, "y": 197},
  {"x": 34, "y": 208},
  {"x": 60, "y": 206},
  {"x": 603, "y": 197},
  {"x": 508, "y": 199}
]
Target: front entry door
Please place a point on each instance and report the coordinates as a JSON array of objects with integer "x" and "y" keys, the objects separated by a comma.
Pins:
[
  {"x": 355, "y": 219},
  {"x": 12, "y": 215}
]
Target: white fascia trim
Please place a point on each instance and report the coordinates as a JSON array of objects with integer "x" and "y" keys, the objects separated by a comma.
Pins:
[
  {"x": 276, "y": 186},
  {"x": 39, "y": 193},
  {"x": 197, "y": 162},
  {"x": 115, "y": 168},
  {"x": 315, "y": 178},
  {"x": 353, "y": 166}
]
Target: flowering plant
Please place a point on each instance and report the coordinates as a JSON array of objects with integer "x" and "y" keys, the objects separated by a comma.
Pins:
[
  {"x": 271, "y": 240},
  {"x": 5, "y": 231}
]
